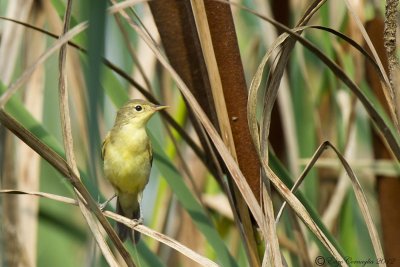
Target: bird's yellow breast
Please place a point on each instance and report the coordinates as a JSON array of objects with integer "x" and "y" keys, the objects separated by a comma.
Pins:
[{"x": 127, "y": 159}]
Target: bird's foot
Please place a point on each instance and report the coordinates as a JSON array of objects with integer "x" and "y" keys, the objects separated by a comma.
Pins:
[
  {"x": 103, "y": 205},
  {"x": 138, "y": 221}
]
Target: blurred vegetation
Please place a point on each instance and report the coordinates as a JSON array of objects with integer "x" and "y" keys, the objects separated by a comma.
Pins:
[{"x": 191, "y": 196}]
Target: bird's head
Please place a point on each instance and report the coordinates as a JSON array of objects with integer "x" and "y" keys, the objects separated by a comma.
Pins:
[{"x": 137, "y": 112}]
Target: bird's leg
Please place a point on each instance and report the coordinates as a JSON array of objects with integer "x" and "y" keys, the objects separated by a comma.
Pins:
[{"x": 103, "y": 205}]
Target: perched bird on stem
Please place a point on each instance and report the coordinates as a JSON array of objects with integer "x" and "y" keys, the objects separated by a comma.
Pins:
[{"x": 127, "y": 156}]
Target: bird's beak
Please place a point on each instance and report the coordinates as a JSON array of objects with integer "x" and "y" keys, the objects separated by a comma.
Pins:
[{"x": 157, "y": 108}]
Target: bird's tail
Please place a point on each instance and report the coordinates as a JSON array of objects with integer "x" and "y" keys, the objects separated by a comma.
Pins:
[{"x": 124, "y": 231}]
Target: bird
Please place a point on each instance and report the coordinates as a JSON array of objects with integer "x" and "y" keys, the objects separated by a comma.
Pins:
[{"x": 127, "y": 160}]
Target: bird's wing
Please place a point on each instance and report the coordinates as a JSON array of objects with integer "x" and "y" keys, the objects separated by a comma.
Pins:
[
  {"x": 150, "y": 149},
  {"x": 103, "y": 146}
]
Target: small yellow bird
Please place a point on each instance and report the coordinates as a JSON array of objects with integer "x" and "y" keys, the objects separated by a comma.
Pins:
[{"x": 127, "y": 156}]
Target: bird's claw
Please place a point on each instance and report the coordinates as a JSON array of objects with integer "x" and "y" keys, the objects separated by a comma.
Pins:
[
  {"x": 102, "y": 206},
  {"x": 138, "y": 221}
]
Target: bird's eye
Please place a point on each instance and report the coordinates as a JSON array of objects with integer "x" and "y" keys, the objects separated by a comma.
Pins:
[{"x": 138, "y": 108}]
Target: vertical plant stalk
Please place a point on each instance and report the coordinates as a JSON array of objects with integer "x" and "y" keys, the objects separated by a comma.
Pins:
[
  {"x": 184, "y": 54},
  {"x": 388, "y": 84},
  {"x": 75, "y": 75},
  {"x": 12, "y": 239},
  {"x": 388, "y": 186},
  {"x": 219, "y": 98},
  {"x": 11, "y": 37},
  {"x": 213, "y": 74},
  {"x": 182, "y": 51},
  {"x": 234, "y": 87},
  {"x": 68, "y": 145},
  {"x": 390, "y": 42},
  {"x": 63, "y": 96},
  {"x": 28, "y": 165},
  {"x": 230, "y": 69},
  {"x": 97, "y": 10}
]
